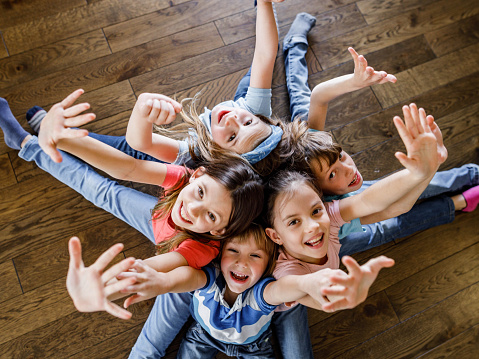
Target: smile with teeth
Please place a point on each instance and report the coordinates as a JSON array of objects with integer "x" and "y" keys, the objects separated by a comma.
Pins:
[
  {"x": 238, "y": 276},
  {"x": 184, "y": 215},
  {"x": 315, "y": 241},
  {"x": 355, "y": 180}
]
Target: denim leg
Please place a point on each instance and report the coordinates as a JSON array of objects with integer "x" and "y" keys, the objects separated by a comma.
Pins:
[
  {"x": 262, "y": 348},
  {"x": 131, "y": 206},
  {"x": 427, "y": 214},
  {"x": 119, "y": 142},
  {"x": 197, "y": 343},
  {"x": 292, "y": 331},
  {"x": 168, "y": 315},
  {"x": 294, "y": 52},
  {"x": 243, "y": 86}
]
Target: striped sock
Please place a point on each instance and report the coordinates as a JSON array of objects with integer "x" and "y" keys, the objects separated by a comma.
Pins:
[{"x": 35, "y": 116}]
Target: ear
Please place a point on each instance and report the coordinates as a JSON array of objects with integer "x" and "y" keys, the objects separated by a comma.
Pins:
[
  {"x": 218, "y": 233},
  {"x": 273, "y": 235},
  {"x": 200, "y": 171}
]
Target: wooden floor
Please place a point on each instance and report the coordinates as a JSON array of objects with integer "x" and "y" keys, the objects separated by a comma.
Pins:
[{"x": 426, "y": 306}]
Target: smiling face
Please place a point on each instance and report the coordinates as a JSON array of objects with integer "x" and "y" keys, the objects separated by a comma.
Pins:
[
  {"x": 340, "y": 178},
  {"x": 204, "y": 205},
  {"x": 301, "y": 224},
  {"x": 236, "y": 129},
  {"x": 242, "y": 265}
]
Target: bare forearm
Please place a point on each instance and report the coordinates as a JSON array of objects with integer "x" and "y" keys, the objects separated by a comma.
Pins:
[
  {"x": 166, "y": 262},
  {"x": 289, "y": 288}
]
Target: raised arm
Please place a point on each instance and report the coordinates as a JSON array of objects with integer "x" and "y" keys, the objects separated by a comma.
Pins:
[
  {"x": 266, "y": 47},
  {"x": 421, "y": 162},
  {"x": 152, "y": 109},
  {"x": 56, "y": 133},
  {"x": 324, "y": 92}
]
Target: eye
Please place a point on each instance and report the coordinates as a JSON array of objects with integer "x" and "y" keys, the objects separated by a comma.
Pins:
[
  {"x": 340, "y": 155},
  {"x": 212, "y": 216},
  {"x": 247, "y": 123},
  {"x": 232, "y": 250},
  {"x": 293, "y": 222},
  {"x": 200, "y": 192},
  {"x": 256, "y": 256},
  {"x": 332, "y": 175},
  {"x": 317, "y": 211},
  {"x": 233, "y": 136}
]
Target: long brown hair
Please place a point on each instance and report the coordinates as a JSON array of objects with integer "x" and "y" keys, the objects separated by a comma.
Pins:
[{"x": 244, "y": 186}]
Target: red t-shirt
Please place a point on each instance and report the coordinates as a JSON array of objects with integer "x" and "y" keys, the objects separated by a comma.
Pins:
[{"x": 196, "y": 254}]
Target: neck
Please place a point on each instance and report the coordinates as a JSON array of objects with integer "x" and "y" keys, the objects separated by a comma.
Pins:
[{"x": 229, "y": 296}]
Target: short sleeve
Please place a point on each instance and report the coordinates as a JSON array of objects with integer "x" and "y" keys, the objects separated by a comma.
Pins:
[
  {"x": 173, "y": 175},
  {"x": 198, "y": 254},
  {"x": 258, "y": 101},
  {"x": 183, "y": 153},
  {"x": 259, "y": 295}
]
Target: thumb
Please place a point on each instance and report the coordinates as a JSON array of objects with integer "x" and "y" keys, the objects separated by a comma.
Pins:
[
  {"x": 74, "y": 248},
  {"x": 135, "y": 298}
]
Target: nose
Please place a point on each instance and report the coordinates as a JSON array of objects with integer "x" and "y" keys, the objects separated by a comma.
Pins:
[
  {"x": 311, "y": 225},
  {"x": 194, "y": 209},
  {"x": 230, "y": 120}
]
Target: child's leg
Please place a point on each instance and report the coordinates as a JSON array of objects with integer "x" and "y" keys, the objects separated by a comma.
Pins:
[
  {"x": 198, "y": 344},
  {"x": 129, "y": 205},
  {"x": 427, "y": 214},
  {"x": 243, "y": 86},
  {"x": 295, "y": 47},
  {"x": 13, "y": 133},
  {"x": 36, "y": 114},
  {"x": 168, "y": 315},
  {"x": 292, "y": 330}
]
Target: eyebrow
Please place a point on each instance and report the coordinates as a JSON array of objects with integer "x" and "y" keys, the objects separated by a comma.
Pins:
[{"x": 256, "y": 142}]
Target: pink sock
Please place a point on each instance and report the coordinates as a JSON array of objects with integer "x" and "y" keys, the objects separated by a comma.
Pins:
[{"x": 472, "y": 199}]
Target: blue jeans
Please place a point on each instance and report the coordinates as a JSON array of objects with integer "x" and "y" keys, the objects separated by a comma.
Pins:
[
  {"x": 294, "y": 53},
  {"x": 198, "y": 343},
  {"x": 436, "y": 208}
]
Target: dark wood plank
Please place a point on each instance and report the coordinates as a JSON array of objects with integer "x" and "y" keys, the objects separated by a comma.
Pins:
[
  {"x": 114, "y": 68},
  {"x": 406, "y": 25},
  {"x": 435, "y": 283},
  {"x": 15, "y": 12},
  {"x": 168, "y": 21},
  {"x": 464, "y": 345},
  {"x": 7, "y": 176},
  {"x": 377, "y": 10},
  {"x": 3, "y": 49},
  {"x": 45, "y": 30},
  {"x": 428, "y": 76},
  {"x": 43, "y": 60},
  {"x": 358, "y": 136},
  {"x": 10, "y": 284},
  {"x": 455, "y": 36},
  {"x": 413, "y": 338}
]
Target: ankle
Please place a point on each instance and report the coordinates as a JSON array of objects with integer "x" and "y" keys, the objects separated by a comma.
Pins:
[
  {"x": 459, "y": 202},
  {"x": 25, "y": 140}
]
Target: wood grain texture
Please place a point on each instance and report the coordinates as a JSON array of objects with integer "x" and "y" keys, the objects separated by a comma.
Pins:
[{"x": 10, "y": 284}]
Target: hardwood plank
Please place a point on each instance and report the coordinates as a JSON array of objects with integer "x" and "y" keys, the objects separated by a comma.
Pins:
[
  {"x": 464, "y": 345},
  {"x": 117, "y": 67},
  {"x": 3, "y": 49},
  {"x": 168, "y": 21},
  {"x": 405, "y": 26},
  {"x": 196, "y": 70},
  {"x": 428, "y": 76},
  {"x": 14, "y": 12},
  {"x": 73, "y": 333},
  {"x": 352, "y": 327},
  {"x": 35, "y": 269},
  {"x": 358, "y": 136},
  {"x": 7, "y": 176},
  {"x": 435, "y": 283},
  {"x": 455, "y": 36},
  {"x": 43, "y": 60},
  {"x": 65, "y": 24},
  {"x": 377, "y": 10},
  {"x": 10, "y": 284},
  {"x": 413, "y": 338}
]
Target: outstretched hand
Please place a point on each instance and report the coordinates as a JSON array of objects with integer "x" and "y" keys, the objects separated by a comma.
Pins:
[
  {"x": 157, "y": 109},
  {"x": 89, "y": 287},
  {"x": 365, "y": 75},
  {"x": 58, "y": 122},
  {"x": 425, "y": 149},
  {"x": 353, "y": 287}
]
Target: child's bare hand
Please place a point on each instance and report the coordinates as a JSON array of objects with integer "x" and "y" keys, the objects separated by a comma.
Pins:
[
  {"x": 58, "y": 122},
  {"x": 424, "y": 153},
  {"x": 89, "y": 287},
  {"x": 148, "y": 283},
  {"x": 354, "y": 287},
  {"x": 436, "y": 131},
  {"x": 157, "y": 109},
  {"x": 365, "y": 75}
]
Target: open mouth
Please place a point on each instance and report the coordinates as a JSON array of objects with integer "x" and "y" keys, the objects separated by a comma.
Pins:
[
  {"x": 184, "y": 215},
  {"x": 221, "y": 115},
  {"x": 356, "y": 180},
  {"x": 238, "y": 276},
  {"x": 317, "y": 241}
]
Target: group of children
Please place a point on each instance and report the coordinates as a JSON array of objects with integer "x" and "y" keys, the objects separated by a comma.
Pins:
[{"x": 255, "y": 214}]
